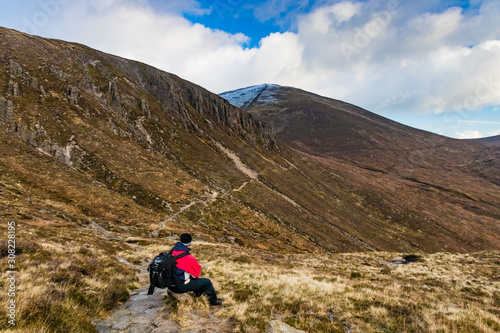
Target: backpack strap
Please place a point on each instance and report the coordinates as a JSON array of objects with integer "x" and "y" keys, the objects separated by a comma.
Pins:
[{"x": 182, "y": 255}]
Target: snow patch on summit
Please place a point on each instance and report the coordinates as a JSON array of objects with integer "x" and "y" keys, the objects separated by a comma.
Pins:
[{"x": 243, "y": 97}]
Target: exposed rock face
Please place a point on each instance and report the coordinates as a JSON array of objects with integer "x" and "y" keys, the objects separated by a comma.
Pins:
[
  {"x": 5, "y": 109},
  {"x": 113, "y": 94},
  {"x": 73, "y": 95},
  {"x": 14, "y": 89},
  {"x": 6, "y": 113},
  {"x": 184, "y": 98},
  {"x": 15, "y": 70},
  {"x": 277, "y": 326},
  {"x": 34, "y": 83}
]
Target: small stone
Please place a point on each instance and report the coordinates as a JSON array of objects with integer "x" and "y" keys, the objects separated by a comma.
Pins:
[
  {"x": 122, "y": 324},
  {"x": 276, "y": 326},
  {"x": 121, "y": 313},
  {"x": 42, "y": 92},
  {"x": 138, "y": 298},
  {"x": 133, "y": 239},
  {"x": 151, "y": 312},
  {"x": 140, "y": 328}
]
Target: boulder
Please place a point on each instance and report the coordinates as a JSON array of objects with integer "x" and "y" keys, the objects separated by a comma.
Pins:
[
  {"x": 15, "y": 70},
  {"x": 276, "y": 326},
  {"x": 6, "y": 110},
  {"x": 34, "y": 83},
  {"x": 73, "y": 95},
  {"x": 181, "y": 297},
  {"x": 14, "y": 89}
]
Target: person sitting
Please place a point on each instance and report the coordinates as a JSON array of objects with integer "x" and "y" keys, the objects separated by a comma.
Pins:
[{"x": 188, "y": 269}]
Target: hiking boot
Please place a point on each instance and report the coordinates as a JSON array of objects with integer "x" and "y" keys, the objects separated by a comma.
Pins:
[{"x": 218, "y": 301}]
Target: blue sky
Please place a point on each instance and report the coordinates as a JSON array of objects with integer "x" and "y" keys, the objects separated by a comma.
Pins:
[{"x": 433, "y": 65}]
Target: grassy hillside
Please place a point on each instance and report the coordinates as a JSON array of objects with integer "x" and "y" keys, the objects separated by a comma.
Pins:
[
  {"x": 440, "y": 292},
  {"x": 99, "y": 152}
]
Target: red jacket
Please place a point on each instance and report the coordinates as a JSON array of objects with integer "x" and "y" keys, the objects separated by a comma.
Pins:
[{"x": 188, "y": 264}]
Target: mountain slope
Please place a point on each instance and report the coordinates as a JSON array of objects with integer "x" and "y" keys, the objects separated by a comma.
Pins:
[
  {"x": 186, "y": 158},
  {"x": 406, "y": 169},
  {"x": 99, "y": 152},
  {"x": 325, "y": 127}
]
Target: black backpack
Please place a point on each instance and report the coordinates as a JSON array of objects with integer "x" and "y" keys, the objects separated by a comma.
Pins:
[{"x": 162, "y": 271}]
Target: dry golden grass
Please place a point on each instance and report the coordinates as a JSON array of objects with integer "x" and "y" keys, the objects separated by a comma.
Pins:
[
  {"x": 441, "y": 292},
  {"x": 61, "y": 288}
]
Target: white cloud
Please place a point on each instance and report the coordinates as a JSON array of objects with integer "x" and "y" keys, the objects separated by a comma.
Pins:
[
  {"x": 391, "y": 60},
  {"x": 494, "y": 133},
  {"x": 479, "y": 122},
  {"x": 342, "y": 11},
  {"x": 469, "y": 135},
  {"x": 377, "y": 54}
]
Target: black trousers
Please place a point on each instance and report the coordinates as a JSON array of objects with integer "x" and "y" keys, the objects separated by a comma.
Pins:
[{"x": 199, "y": 287}]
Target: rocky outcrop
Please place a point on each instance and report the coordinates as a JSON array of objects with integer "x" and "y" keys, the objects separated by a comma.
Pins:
[
  {"x": 73, "y": 95},
  {"x": 14, "y": 89},
  {"x": 113, "y": 98},
  {"x": 17, "y": 73},
  {"x": 15, "y": 70},
  {"x": 6, "y": 112},
  {"x": 5, "y": 109},
  {"x": 34, "y": 83},
  {"x": 200, "y": 110}
]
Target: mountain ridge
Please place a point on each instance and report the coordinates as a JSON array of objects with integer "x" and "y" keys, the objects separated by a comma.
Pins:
[
  {"x": 324, "y": 127},
  {"x": 105, "y": 161},
  {"x": 90, "y": 110}
]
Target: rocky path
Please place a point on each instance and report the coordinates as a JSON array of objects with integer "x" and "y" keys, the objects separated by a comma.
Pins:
[
  {"x": 150, "y": 314},
  {"x": 208, "y": 200},
  {"x": 141, "y": 314}
]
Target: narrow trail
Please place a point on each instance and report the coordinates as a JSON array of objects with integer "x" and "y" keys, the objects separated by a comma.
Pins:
[
  {"x": 254, "y": 176},
  {"x": 150, "y": 314},
  {"x": 209, "y": 199},
  {"x": 141, "y": 314}
]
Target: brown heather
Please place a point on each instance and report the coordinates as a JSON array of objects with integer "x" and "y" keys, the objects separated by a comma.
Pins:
[{"x": 104, "y": 159}]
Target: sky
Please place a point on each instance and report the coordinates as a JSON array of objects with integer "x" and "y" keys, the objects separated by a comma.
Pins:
[{"x": 433, "y": 65}]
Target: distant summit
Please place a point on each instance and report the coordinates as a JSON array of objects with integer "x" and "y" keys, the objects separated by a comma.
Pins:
[{"x": 243, "y": 98}]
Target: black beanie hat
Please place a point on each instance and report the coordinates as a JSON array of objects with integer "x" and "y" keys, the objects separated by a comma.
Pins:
[{"x": 186, "y": 239}]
